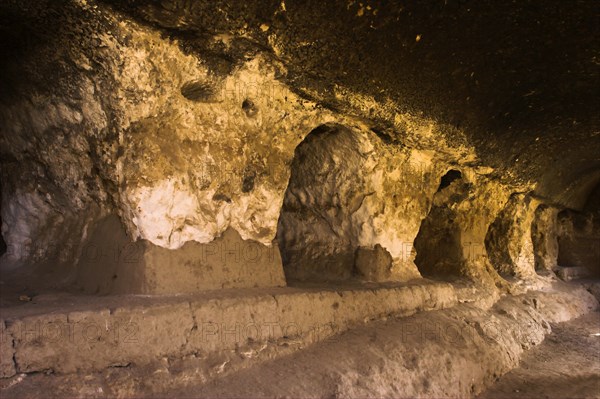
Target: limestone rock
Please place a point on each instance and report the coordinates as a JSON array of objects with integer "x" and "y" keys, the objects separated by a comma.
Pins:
[
  {"x": 509, "y": 239},
  {"x": 373, "y": 264},
  {"x": 112, "y": 263},
  {"x": 349, "y": 189},
  {"x": 578, "y": 240},
  {"x": 544, "y": 236},
  {"x": 7, "y": 364}
]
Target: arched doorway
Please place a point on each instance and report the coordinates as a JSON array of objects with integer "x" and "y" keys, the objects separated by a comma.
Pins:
[
  {"x": 438, "y": 244},
  {"x": 319, "y": 227}
]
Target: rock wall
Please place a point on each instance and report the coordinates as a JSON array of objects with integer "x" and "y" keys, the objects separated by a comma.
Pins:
[
  {"x": 168, "y": 147},
  {"x": 579, "y": 241},
  {"x": 349, "y": 189},
  {"x": 509, "y": 240},
  {"x": 545, "y": 238},
  {"x": 185, "y": 138},
  {"x": 451, "y": 240},
  {"x": 133, "y": 126},
  {"x": 113, "y": 263}
]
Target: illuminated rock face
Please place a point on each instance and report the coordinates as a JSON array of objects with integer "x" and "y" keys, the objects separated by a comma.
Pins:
[
  {"x": 179, "y": 154},
  {"x": 130, "y": 113},
  {"x": 190, "y": 169},
  {"x": 509, "y": 239},
  {"x": 197, "y": 192},
  {"x": 113, "y": 263},
  {"x": 348, "y": 189}
]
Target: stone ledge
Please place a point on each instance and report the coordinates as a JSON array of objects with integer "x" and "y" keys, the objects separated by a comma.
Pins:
[
  {"x": 491, "y": 342},
  {"x": 148, "y": 329},
  {"x": 454, "y": 352},
  {"x": 572, "y": 273}
]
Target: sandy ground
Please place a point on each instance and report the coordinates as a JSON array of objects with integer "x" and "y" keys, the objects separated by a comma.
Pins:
[{"x": 565, "y": 365}]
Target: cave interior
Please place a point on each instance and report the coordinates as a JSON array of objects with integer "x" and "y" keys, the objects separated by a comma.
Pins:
[{"x": 221, "y": 199}]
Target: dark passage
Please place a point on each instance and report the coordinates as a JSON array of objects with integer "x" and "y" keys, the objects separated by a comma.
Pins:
[{"x": 439, "y": 253}]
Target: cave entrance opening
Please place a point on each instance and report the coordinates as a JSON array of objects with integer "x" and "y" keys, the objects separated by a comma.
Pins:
[
  {"x": 317, "y": 231},
  {"x": 579, "y": 237},
  {"x": 569, "y": 222},
  {"x": 438, "y": 242}
]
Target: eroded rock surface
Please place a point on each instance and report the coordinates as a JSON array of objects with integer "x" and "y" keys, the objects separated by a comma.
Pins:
[
  {"x": 350, "y": 189},
  {"x": 373, "y": 264},
  {"x": 509, "y": 238},
  {"x": 578, "y": 239},
  {"x": 127, "y": 110},
  {"x": 335, "y": 156},
  {"x": 545, "y": 238}
]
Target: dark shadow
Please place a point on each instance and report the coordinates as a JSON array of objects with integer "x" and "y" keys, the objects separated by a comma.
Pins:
[
  {"x": 2, "y": 242},
  {"x": 579, "y": 240},
  {"x": 438, "y": 245}
]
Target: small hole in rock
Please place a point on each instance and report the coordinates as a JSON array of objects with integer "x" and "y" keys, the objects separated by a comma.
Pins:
[
  {"x": 249, "y": 107},
  {"x": 448, "y": 178},
  {"x": 198, "y": 91},
  {"x": 248, "y": 183}
]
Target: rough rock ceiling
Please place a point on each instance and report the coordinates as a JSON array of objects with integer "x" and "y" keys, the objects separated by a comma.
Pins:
[{"x": 520, "y": 79}]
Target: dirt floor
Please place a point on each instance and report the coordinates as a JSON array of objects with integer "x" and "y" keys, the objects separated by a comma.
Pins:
[{"x": 565, "y": 365}]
